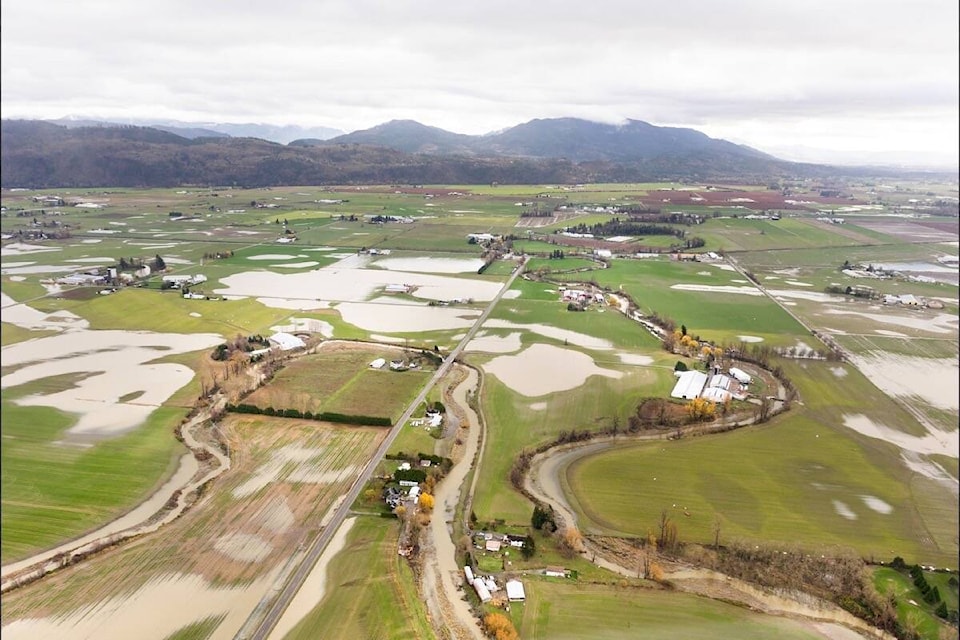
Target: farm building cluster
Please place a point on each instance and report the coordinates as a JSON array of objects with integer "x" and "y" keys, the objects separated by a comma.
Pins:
[
  {"x": 714, "y": 386},
  {"x": 487, "y": 588},
  {"x": 580, "y": 297}
]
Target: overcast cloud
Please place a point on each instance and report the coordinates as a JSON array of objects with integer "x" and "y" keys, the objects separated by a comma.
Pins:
[{"x": 822, "y": 80}]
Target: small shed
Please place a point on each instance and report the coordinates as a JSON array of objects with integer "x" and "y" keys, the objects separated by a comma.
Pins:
[
  {"x": 492, "y": 545},
  {"x": 378, "y": 363},
  {"x": 742, "y": 376},
  {"x": 515, "y": 591},
  {"x": 468, "y": 574}
]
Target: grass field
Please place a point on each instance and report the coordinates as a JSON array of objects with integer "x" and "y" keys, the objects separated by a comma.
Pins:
[
  {"x": 341, "y": 381},
  {"x": 513, "y": 424},
  {"x": 786, "y": 481},
  {"x": 369, "y": 591},
  {"x": 912, "y": 610},
  {"x": 717, "y": 316},
  {"x": 556, "y": 610},
  {"x": 54, "y": 491}
]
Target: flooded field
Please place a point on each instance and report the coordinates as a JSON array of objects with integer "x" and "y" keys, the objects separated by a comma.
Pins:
[{"x": 525, "y": 372}]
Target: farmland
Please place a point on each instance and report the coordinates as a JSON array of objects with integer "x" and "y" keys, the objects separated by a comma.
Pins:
[
  {"x": 227, "y": 552},
  {"x": 340, "y": 379},
  {"x": 601, "y": 612},
  {"x": 864, "y": 460}
]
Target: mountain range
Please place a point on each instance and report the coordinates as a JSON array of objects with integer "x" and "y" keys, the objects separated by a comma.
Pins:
[
  {"x": 191, "y": 130},
  {"x": 41, "y": 154}
]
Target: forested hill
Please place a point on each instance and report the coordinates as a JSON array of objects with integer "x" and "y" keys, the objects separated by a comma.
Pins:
[{"x": 37, "y": 154}]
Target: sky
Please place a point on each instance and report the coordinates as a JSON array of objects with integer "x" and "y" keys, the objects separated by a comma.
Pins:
[{"x": 842, "y": 81}]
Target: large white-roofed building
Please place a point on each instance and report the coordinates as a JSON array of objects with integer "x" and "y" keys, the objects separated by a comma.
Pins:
[
  {"x": 689, "y": 385},
  {"x": 515, "y": 591},
  {"x": 287, "y": 341}
]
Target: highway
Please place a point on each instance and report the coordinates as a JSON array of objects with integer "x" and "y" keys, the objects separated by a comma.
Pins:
[{"x": 276, "y": 608}]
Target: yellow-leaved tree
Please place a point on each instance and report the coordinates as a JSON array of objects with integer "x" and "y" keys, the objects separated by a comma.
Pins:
[{"x": 426, "y": 501}]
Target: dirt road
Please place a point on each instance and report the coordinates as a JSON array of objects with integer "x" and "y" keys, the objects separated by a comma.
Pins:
[{"x": 442, "y": 578}]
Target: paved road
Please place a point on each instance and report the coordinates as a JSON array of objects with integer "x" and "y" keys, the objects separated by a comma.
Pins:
[{"x": 293, "y": 584}]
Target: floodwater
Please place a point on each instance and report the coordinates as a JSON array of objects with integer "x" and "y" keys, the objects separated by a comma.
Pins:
[
  {"x": 496, "y": 344},
  {"x": 348, "y": 280},
  {"x": 163, "y": 606},
  {"x": 706, "y": 288},
  {"x": 426, "y": 264},
  {"x": 941, "y": 323},
  {"x": 549, "y": 331},
  {"x": 385, "y": 317},
  {"x": 931, "y": 443},
  {"x": 314, "y": 587},
  {"x": 310, "y": 325},
  {"x": 934, "y": 380},
  {"x": 541, "y": 369},
  {"x": 108, "y": 365}
]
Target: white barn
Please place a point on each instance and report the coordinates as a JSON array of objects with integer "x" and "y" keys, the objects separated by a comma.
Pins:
[
  {"x": 287, "y": 341},
  {"x": 716, "y": 394},
  {"x": 515, "y": 591},
  {"x": 742, "y": 376},
  {"x": 482, "y": 590},
  {"x": 689, "y": 385}
]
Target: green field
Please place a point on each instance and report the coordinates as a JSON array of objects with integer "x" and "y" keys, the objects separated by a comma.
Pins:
[
  {"x": 53, "y": 491},
  {"x": 369, "y": 593},
  {"x": 557, "y": 611},
  {"x": 786, "y": 481},
  {"x": 342, "y": 382},
  {"x": 912, "y": 611}
]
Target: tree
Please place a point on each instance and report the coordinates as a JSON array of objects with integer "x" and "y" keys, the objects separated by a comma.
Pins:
[
  {"x": 571, "y": 542},
  {"x": 426, "y": 501},
  {"x": 159, "y": 263},
  {"x": 499, "y": 627},
  {"x": 529, "y": 547}
]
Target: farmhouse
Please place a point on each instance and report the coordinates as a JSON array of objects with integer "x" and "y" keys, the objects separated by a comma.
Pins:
[
  {"x": 397, "y": 288},
  {"x": 515, "y": 591},
  {"x": 287, "y": 341},
  {"x": 689, "y": 385}
]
